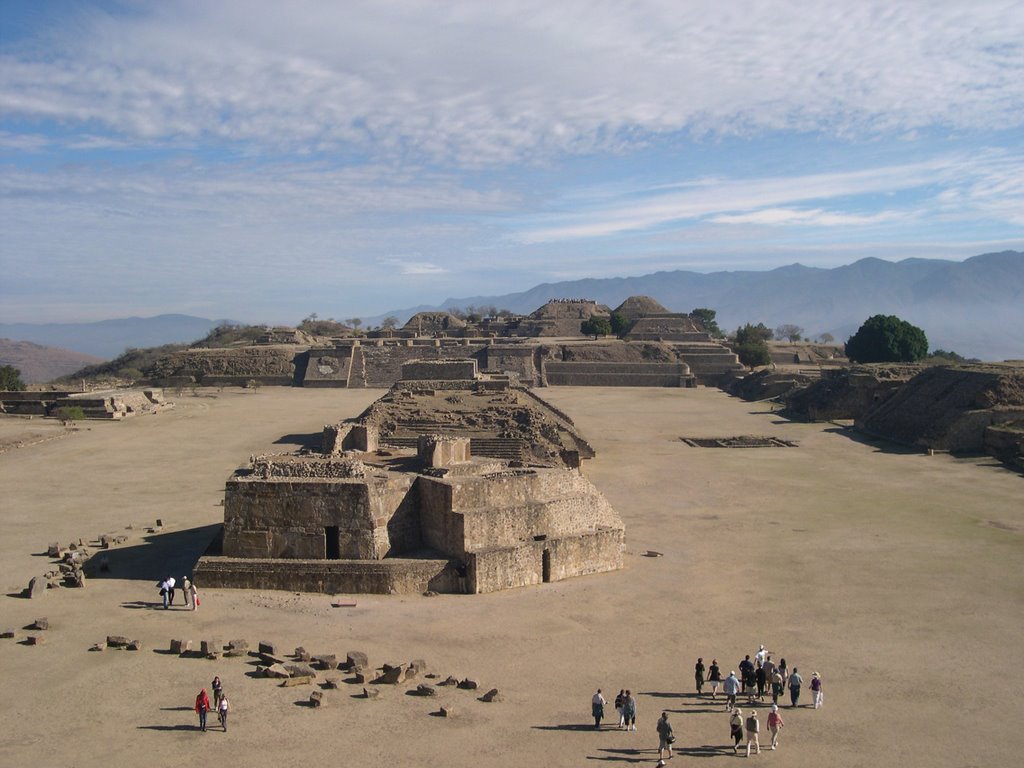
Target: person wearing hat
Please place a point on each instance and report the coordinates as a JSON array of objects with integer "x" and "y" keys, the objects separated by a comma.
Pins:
[
  {"x": 736, "y": 728},
  {"x": 816, "y": 690},
  {"x": 774, "y": 724},
  {"x": 665, "y": 736},
  {"x": 753, "y": 726}
]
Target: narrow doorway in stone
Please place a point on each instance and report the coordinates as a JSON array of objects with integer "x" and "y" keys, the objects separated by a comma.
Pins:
[
  {"x": 545, "y": 566},
  {"x": 331, "y": 537}
]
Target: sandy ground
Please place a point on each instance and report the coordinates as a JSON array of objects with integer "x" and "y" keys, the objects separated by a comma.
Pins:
[{"x": 899, "y": 577}]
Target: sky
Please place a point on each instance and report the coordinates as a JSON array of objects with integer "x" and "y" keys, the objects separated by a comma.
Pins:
[{"x": 262, "y": 161}]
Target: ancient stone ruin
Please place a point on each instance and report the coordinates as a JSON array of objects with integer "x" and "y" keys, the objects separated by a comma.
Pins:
[{"x": 452, "y": 482}]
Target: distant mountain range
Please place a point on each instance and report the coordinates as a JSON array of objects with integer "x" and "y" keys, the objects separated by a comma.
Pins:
[
  {"x": 39, "y": 364},
  {"x": 973, "y": 307},
  {"x": 107, "y": 339}
]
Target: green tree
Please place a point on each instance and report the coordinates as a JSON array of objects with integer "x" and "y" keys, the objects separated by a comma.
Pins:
[
  {"x": 789, "y": 331},
  {"x": 887, "y": 339},
  {"x": 826, "y": 338},
  {"x": 706, "y": 317},
  {"x": 619, "y": 323},
  {"x": 596, "y": 326},
  {"x": 10, "y": 379},
  {"x": 389, "y": 323},
  {"x": 751, "y": 344}
]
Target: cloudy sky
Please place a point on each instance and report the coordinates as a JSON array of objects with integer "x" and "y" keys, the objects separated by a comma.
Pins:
[{"x": 264, "y": 160}]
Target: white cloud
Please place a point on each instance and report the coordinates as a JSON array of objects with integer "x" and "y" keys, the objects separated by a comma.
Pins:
[
  {"x": 815, "y": 217},
  {"x": 499, "y": 82}
]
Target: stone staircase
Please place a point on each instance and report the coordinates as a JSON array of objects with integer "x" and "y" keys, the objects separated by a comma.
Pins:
[{"x": 608, "y": 374}]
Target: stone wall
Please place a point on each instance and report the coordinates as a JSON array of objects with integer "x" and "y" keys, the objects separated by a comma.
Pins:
[
  {"x": 601, "y": 374},
  {"x": 391, "y": 576},
  {"x": 427, "y": 370},
  {"x": 210, "y": 367},
  {"x": 290, "y": 518},
  {"x": 383, "y": 364}
]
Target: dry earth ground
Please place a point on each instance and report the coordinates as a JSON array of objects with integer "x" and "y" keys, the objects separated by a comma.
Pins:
[{"x": 899, "y": 577}]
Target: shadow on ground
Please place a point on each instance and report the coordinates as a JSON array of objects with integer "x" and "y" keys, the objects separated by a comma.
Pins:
[{"x": 170, "y": 553}]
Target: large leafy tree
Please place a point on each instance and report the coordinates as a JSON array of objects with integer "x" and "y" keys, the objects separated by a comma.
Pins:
[
  {"x": 887, "y": 339},
  {"x": 706, "y": 317},
  {"x": 751, "y": 344},
  {"x": 10, "y": 379},
  {"x": 596, "y": 326}
]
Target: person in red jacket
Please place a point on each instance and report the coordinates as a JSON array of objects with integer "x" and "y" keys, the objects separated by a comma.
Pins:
[{"x": 202, "y": 707}]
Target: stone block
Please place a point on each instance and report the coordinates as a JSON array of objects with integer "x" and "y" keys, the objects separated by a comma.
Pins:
[
  {"x": 468, "y": 685},
  {"x": 446, "y": 712},
  {"x": 491, "y": 695},
  {"x": 326, "y": 661},
  {"x": 117, "y": 641},
  {"x": 356, "y": 659},
  {"x": 53, "y": 550},
  {"x": 40, "y": 624},
  {"x": 370, "y": 693},
  {"x": 392, "y": 674},
  {"x": 300, "y": 670},
  {"x": 290, "y": 682},
  {"x": 358, "y": 677},
  {"x": 7, "y": 634},
  {"x": 332, "y": 683},
  {"x": 449, "y": 681},
  {"x": 425, "y": 690},
  {"x": 181, "y": 646},
  {"x": 98, "y": 647},
  {"x": 301, "y": 654},
  {"x": 134, "y": 645},
  {"x": 211, "y": 647},
  {"x": 417, "y": 667},
  {"x": 238, "y": 645},
  {"x": 269, "y": 648},
  {"x": 316, "y": 699},
  {"x": 36, "y": 587},
  {"x": 35, "y": 640},
  {"x": 276, "y": 670}
]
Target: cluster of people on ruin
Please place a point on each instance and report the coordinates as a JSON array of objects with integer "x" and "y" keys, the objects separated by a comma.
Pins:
[{"x": 758, "y": 678}]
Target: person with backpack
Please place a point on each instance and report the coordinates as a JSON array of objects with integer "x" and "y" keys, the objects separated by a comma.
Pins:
[
  {"x": 202, "y": 707},
  {"x": 753, "y": 726},
  {"x": 620, "y": 701},
  {"x": 736, "y": 728},
  {"x": 597, "y": 703},
  {"x": 665, "y": 736}
]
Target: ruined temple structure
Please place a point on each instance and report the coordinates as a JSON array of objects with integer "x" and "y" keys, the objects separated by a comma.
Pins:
[
  {"x": 546, "y": 348},
  {"x": 452, "y": 482}
]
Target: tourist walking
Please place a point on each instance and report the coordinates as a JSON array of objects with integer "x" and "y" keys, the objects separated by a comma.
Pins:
[
  {"x": 746, "y": 674},
  {"x": 170, "y": 591},
  {"x": 185, "y": 590},
  {"x": 731, "y": 687},
  {"x": 774, "y": 724},
  {"x": 784, "y": 671},
  {"x": 769, "y": 668},
  {"x": 761, "y": 680},
  {"x": 222, "y": 712},
  {"x": 164, "y": 589},
  {"x": 193, "y": 594},
  {"x": 665, "y": 736},
  {"x": 620, "y": 702},
  {"x": 202, "y": 707},
  {"x": 629, "y": 711},
  {"x": 698, "y": 675},
  {"x": 795, "y": 681},
  {"x": 736, "y": 728},
  {"x": 816, "y": 691},
  {"x": 753, "y": 726},
  {"x": 597, "y": 703},
  {"x": 761, "y": 656},
  {"x": 218, "y": 690},
  {"x": 714, "y": 677},
  {"x": 777, "y": 686}
]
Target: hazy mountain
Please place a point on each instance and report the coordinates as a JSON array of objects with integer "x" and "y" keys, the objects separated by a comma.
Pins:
[
  {"x": 974, "y": 307},
  {"x": 109, "y": 338},
  {"x": 39, "y": 364}
]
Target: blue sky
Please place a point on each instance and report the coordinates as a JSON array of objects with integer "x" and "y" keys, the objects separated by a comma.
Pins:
[{"x": 265, "y": 160}]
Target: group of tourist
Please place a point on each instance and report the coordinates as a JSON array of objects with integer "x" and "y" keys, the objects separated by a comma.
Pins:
[
  {"x": 220, "y": 704},
  {"x": 188, "y": 592},
  {"x": 759, "y": 677}
]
